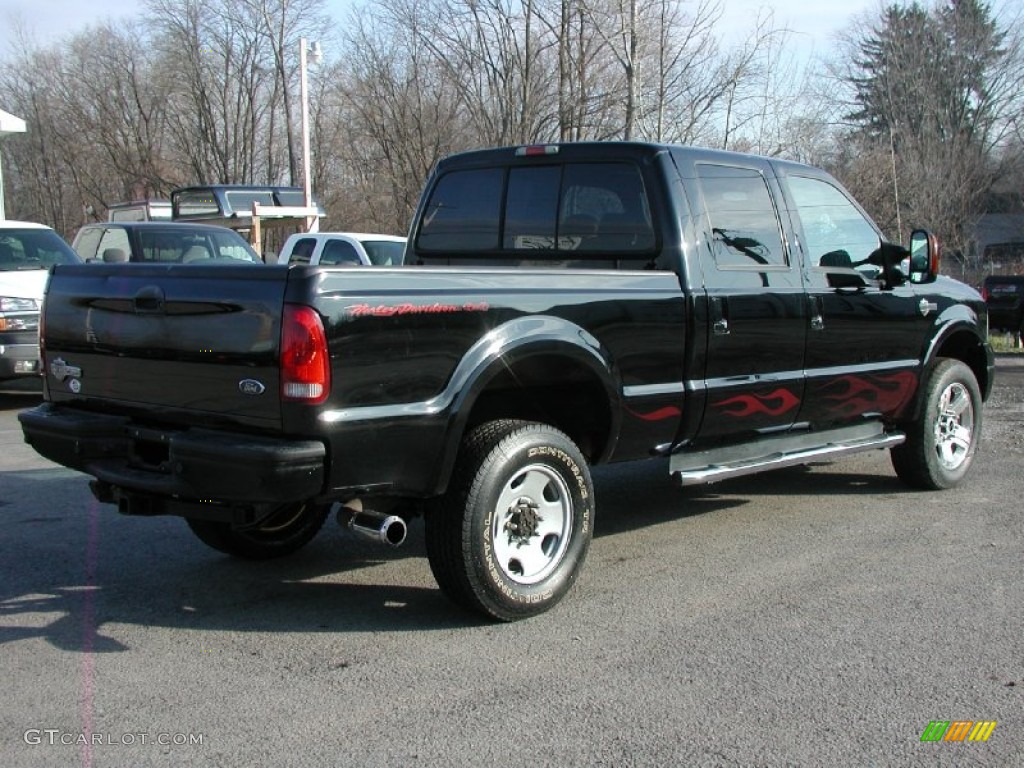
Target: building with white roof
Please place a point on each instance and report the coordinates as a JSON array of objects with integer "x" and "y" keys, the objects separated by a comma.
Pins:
[{"x": 8, "y": 124}]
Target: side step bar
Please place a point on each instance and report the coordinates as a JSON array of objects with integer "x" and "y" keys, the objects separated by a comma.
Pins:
[{"x": 776, "y": 452}]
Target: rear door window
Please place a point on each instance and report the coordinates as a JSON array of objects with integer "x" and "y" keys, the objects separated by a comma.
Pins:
[{"x": 744, "y": 223}]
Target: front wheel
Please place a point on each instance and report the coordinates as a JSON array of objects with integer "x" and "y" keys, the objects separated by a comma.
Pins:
[
  {"x": 941, "y": 444},
  {"x": 287, "y": 530},
  {"x": 509, "y": 537}
]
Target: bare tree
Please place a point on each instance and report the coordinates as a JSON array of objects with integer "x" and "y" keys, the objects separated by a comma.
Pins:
[
  {"x": 230, "y": 61},
  {"x": 204, "y": 90},
  {"x": 96, "y": 124},
  {"x": 685, "y": 49},
  {"x": 396, "y": 112},
  {"x": 937, "y": 91}
]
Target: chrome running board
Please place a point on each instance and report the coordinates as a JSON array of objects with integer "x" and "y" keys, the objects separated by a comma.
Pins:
[{"x": 776, "y": 452}]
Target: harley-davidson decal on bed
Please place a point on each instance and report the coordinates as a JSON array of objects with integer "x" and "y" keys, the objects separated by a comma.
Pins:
[{"x": 391, "y": 310}]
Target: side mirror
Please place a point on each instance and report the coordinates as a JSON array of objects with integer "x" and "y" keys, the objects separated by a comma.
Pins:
[{"x": 924, "y": 256}]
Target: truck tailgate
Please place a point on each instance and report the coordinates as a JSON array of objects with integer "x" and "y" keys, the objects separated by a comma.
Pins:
[{"x": 199, "y": 341}]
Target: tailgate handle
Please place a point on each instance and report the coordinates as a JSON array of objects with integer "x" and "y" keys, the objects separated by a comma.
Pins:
[{"x": 149, "y": 299}]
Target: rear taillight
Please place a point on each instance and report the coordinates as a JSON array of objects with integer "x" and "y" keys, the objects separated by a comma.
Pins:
[
  {"x": 305, "y": 364},
  {"x": 984, "y": 292}
]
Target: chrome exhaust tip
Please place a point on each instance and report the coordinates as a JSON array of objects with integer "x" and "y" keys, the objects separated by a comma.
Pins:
[{"x": 389, "y": 530}]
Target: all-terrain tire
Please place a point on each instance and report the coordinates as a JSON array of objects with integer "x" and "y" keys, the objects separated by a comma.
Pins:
[
  {"x": 942, "y": 443},
  {"x": 509, "y": 537}
]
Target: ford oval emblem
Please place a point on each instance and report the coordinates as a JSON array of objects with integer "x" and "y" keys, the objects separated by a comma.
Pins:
[{"x": 251, "y": 387}]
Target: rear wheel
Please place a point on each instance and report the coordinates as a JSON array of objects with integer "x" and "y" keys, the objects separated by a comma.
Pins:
[
  {"x": 941, "y": 445},
  {"x": 509, "y": 537},
  {"x": 287, "y": 530}
]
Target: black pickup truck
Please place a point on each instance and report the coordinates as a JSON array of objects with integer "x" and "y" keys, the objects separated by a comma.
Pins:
[
  {"x": 559, "y": 306},
  {"x": 1004, "y": 296}
]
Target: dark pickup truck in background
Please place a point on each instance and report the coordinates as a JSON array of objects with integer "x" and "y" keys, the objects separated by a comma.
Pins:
[
  {"x": 1004, "y": 295},
  {"x": 560, "y": 306}
]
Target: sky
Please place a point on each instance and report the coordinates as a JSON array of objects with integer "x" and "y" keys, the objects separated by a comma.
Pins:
[{"x": 813, "y": 22}]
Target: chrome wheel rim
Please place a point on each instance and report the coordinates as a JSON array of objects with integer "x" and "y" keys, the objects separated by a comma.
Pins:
[
  {"x": 532, "y": 524},
  {"x": 954, "y": 427}
]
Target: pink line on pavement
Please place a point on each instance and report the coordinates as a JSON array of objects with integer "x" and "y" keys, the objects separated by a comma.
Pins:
[{"x": 89, "y": 630}]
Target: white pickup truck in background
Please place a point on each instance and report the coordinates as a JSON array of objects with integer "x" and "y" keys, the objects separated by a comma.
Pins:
[
  {"x": 342, "y": 248},
  {"x": 27, "y": 251}
]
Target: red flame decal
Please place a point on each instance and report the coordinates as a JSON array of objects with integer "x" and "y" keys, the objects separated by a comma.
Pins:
[
  {"x": 773, "y": 404},
  {"x": 884, "y": 394},
  {"x": 669, "y": 412}
]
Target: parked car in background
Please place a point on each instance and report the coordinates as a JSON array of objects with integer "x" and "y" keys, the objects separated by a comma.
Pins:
[
  {"x": 1004, "y": 295},
  {"x": 352, "y": 248},
  {"x": 263, "y": 214},
  {"x": 164, "y": 242},
  {"x": 27, "y": 251}
]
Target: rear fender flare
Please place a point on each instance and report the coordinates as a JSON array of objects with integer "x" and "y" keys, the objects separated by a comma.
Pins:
[{"x": 505, "y": 346}]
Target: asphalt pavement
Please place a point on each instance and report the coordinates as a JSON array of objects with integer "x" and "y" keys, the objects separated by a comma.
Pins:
[{"x": 814, "y": 616}]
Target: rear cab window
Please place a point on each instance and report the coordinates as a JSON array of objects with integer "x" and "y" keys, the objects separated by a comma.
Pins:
[
  {"x": 384, "y": 253},
  {"x": 87, "y": 242},
  {"x": 339, "y": 252},
  {"x": 114, "y": 245},
  {"x": 542, "y": 212}
]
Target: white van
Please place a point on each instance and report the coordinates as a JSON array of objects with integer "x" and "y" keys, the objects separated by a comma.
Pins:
[
  {"x": 342, "y": 248},
  {"x": 27, "y": 251}
]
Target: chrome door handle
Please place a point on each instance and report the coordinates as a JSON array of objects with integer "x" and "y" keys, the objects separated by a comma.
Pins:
[
  {"x": 718, "y": 306},
  {"x": 817, "y": 313}
]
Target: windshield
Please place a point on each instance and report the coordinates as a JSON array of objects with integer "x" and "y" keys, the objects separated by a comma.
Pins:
[
  {"x": 33, "y": 249},
  {"x": 384, "y": 253}
]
